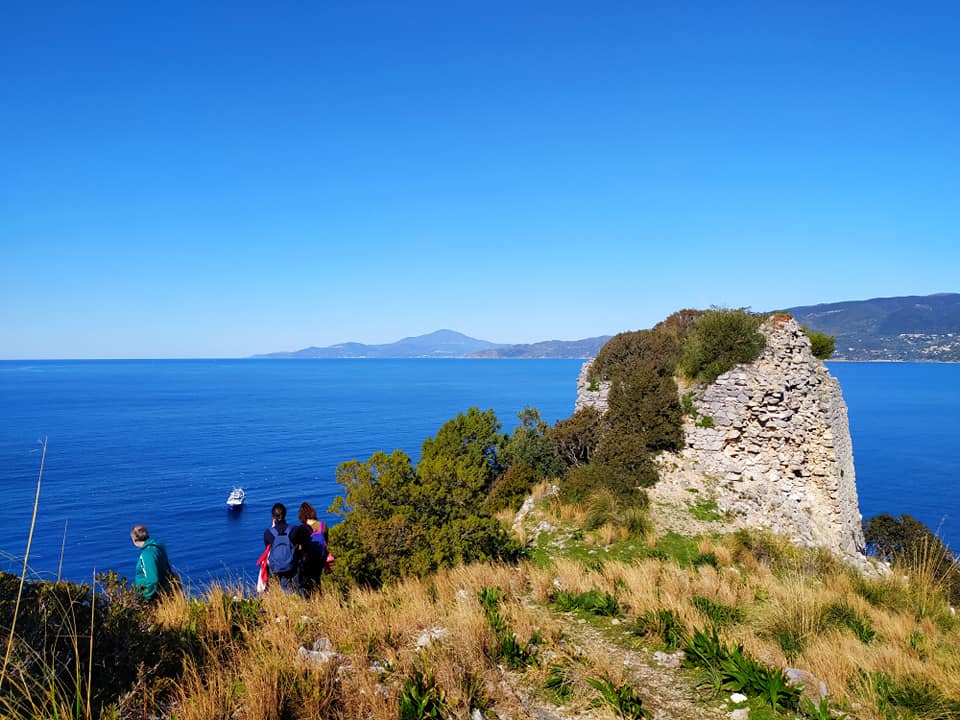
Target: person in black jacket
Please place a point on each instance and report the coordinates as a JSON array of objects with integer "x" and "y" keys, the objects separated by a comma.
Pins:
[{"x": 311, "y": 557}]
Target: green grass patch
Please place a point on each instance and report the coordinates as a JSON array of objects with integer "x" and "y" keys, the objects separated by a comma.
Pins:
[
  {"x": 515, "y": 654},
  {"x": 679, "y": 548},
  {"x": 592, "y": 602},
  {"x": 911, "y": 697},
  {"x": 840, "y": 614},
  {"x": 705, "y": 510},
  {"x": 620, "y": 698},
  {"x": 663, "y": 624},
  {"x": 718, "y": 614}
]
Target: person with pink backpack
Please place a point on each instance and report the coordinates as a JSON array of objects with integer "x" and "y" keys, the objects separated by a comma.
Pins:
[{"x": 318, "y": 532}]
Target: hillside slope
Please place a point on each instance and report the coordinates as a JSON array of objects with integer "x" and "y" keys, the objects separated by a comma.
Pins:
[{"x": 907, "y": 328}]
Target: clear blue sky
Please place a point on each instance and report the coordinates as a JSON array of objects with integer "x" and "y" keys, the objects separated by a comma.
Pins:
[{"x": 213, "y": 181}]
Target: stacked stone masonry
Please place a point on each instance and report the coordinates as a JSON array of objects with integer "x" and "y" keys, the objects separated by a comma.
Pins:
[
  {"x": 591, "y": 394},
  {"x": 779, "y": 454}
]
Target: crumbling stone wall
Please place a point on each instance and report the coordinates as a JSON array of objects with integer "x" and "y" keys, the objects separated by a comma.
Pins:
[
  {"x": 587, "y": 397},
  {"x": 779, "y": 453}
]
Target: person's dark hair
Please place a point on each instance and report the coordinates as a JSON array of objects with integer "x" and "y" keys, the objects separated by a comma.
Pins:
[
  {"x": 300, "y": 535},
  {"x": 279, "y": 512},
  {"x": 307, "y": 512},
  {"x": 139, "y": 533}
]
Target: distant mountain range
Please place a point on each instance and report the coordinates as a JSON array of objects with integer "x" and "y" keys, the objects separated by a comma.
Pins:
[
  {"x": 586, "y": 348},
  {"x": 899, "y": 328},
  {"x": 450, "y": 344},
  {"x": 439, "y": 344},
  {"x": 917, "y": 327}
]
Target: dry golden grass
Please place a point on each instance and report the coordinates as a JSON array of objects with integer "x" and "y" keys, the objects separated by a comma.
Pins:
[
  {"x": 251, "y": 665},
  {"x": 780, "y": 590},
  {"x": 721, "y": 550},
  {"x": 609, "y": 533},
  {"x": 375, "y": 637},
  {"x": 573, "y": 513}
]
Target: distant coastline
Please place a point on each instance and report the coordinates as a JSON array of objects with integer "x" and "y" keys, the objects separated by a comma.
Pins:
[{"x": 895, "y": 329}]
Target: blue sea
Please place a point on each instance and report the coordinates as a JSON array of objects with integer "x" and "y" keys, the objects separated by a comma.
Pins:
[{"x": 163, "y": 442}]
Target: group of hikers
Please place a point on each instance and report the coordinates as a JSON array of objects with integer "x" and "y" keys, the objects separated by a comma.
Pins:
[{"x": 295, "y": 556}]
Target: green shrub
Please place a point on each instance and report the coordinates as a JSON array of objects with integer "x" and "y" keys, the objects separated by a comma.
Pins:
[
  {"x": 659, "y": 348},
  {"x": 628, "y": 352},
  {"x": 822, "y": 346},
  {"x": 621, "y": 699},
  {"x": 719, "y": 341},
  {"x": 705, "y": 558},
  {"x": 577, "y": 437},
  {"x": 911, "y": 697},
  {"x": 510, "y": 489},
  {"x": 532, "y": 445},
  {"x": 509, "y": 649},
  {"x": 626, "y": 463},
  {"x": 841, "y": 614},
  {"x": 55, "y": 626},
  {"x": 421, "y": 699},
  {"x": 401, "y": 520},
  {"x": 891, "y": 538},
  {"x": 560, "y": 681},
  {"x": 582, "y": 481},
  {"x": 664, "y": 624},
  {"x": 916, "y": 551},
  {"x": 718, "y": 614},
  {"x": 643, "y": 404},
  {"x": 592, "y": 601},
  {"x": 734, "y": 670}
]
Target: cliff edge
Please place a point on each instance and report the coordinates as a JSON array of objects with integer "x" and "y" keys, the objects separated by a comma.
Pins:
[{"x": 769, "y": 444}]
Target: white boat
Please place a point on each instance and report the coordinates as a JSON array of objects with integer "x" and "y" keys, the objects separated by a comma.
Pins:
[{"x": 235, "y": 498}]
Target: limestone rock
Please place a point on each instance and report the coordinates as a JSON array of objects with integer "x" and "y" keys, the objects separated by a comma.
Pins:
[
  {"x": 781, "y": 442},
  {"x": 813, "y": 687}
]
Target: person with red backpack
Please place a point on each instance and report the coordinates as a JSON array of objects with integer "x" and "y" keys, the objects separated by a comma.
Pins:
[{"x": 282, "y": 556}]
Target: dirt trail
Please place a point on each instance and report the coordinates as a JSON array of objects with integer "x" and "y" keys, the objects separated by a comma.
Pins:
[{"x": 666, "y": 692}]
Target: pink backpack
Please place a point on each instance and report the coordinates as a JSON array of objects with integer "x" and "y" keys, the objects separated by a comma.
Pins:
[{"x": 319, "y": 536}]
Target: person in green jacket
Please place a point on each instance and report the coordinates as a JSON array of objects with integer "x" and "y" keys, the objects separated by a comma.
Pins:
[{"x": 153, "y": 574}]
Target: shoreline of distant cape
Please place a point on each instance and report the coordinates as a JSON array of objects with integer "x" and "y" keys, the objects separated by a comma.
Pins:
[{"x": 910, "y": 328}]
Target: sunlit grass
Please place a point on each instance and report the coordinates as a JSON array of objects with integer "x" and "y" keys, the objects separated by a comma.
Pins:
[{"x": 874, "y": 642}]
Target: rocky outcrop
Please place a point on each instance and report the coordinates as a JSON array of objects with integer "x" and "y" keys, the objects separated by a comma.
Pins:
[
  {"x": 591, "y": 394},
  {"x": 770, "y": 443}
]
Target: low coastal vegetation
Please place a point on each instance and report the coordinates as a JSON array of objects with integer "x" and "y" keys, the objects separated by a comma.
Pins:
[
  {"x": 522, "y": 575},
  {"x": 568, "y": 628}
]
